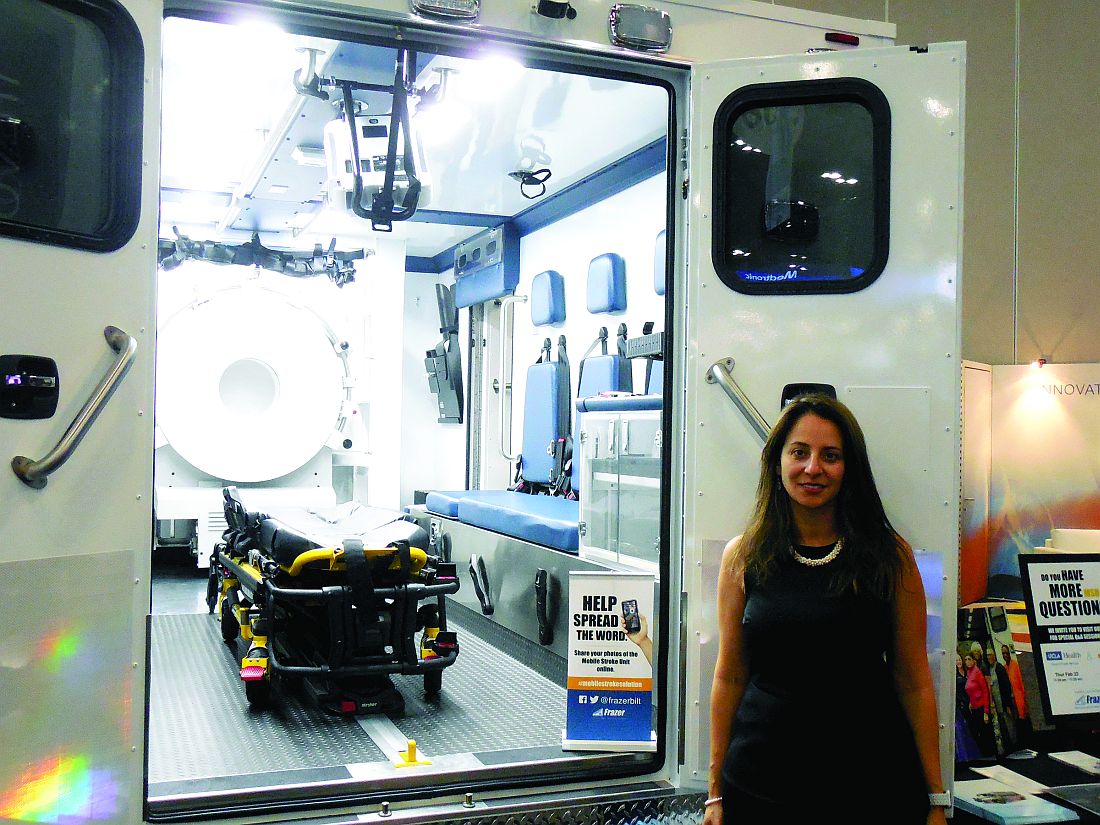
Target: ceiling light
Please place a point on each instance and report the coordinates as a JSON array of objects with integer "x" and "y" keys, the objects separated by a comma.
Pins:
[{"x": 448, "y": 9}]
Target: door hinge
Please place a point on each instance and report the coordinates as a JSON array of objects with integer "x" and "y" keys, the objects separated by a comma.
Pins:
[{"x": 684, "y": 162}]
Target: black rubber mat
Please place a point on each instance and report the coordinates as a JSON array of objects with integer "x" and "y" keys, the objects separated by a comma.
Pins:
[
  {"x": 200, "y": 724},
  {"x": 489, "y": 702},
  {"x": 201, "y": 727}
]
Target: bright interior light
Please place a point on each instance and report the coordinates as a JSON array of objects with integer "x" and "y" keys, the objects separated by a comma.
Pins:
[
  {"x": 243, "y": 84},
  {"x": 485, "y": 79},
  {"x": 437, "y": 125}
]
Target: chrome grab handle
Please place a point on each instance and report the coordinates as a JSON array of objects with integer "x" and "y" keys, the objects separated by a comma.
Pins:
[
  {"x": 504, "y": 382},
  {"x": 720, "y": 374},
  {"x": 34, "y": 473}
]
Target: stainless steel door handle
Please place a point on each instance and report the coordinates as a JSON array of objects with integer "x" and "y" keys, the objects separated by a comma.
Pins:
[
  {"x": 720, "y": 374},
  {"x": 34, "y": 473}
]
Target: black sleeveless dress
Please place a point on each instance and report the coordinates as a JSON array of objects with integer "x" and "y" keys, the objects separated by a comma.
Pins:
[{"x": 819, "y": 732}]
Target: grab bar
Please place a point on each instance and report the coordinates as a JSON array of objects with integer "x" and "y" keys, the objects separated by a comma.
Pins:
[
  {"x": 720, "y": 373},
  {"x": 34, "y": 473},
  {"x": 504, "y": 381}
]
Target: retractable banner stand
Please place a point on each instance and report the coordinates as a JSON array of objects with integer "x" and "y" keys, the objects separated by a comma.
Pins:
[
  {"x": 610, "y": 696},
  {"x": 1062, "y": 594}
]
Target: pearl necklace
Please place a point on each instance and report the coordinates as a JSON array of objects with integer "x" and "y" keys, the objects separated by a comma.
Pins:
[{"x": 832, "y": 554}]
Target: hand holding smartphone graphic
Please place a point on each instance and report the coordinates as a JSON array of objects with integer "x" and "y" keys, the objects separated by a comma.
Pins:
[{"x": 637, "y": 628}]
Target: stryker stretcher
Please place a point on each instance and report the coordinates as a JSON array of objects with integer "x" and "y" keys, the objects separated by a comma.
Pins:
[{"x": 334, "y": 603}]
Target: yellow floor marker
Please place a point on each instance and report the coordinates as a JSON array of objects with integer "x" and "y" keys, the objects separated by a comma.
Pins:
[{"x": 409, "y": 758}]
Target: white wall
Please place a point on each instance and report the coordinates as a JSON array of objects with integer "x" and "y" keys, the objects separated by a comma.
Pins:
[
  {"x": 627, "y": 224},
  {"x": 384, "y": 280}
]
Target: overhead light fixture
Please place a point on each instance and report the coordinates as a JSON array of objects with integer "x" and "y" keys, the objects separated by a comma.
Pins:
[
  {"x": 447, "y": 9},
  {"x": 639, "y": 27}
]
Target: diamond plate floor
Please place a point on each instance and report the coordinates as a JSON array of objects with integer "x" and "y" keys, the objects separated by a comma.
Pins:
[
  {"x": 201, "y": 728},
  {"x": 200, "y": 724}
]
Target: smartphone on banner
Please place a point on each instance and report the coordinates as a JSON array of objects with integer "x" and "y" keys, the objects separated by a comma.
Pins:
[{"x": 630, "y": 616}]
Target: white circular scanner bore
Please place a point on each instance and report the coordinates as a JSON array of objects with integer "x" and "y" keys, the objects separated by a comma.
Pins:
[{"x": 249, "y": 387}]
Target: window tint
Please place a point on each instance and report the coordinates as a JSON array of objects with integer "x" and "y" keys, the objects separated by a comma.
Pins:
[
  {"x": 801, "y": 187},
  {"x": 70, "y": 123}
]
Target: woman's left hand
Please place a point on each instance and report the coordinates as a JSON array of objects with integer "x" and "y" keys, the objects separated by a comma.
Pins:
[{"x": 937, "y": 816}]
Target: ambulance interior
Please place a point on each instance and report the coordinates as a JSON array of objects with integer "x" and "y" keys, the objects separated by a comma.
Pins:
[{"x": 377, "y": 342}]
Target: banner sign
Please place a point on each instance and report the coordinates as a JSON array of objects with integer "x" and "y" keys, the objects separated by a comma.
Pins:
[
  {"x": 1062, "y": 594},
  {"x": 610, "y": 685}
]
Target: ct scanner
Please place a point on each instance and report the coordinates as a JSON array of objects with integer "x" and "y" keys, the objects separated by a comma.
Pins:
[{"x": 261, "y": 397}]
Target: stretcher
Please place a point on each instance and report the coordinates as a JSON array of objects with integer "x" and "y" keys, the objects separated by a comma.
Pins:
[{"x": 333, "y": 604}]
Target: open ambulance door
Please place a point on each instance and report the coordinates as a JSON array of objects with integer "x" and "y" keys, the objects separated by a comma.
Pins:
[
  {"x": 824, "y": 247},
  {"x": 78, "y": 214}
]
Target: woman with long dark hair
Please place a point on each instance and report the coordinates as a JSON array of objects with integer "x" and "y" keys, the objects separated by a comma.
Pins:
[{"x": 822, "y": 703}]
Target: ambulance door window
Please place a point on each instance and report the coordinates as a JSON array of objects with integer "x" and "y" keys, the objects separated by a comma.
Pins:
[
  {"x": 70, "y": 123},
  {"x": 801, "y": 187}
]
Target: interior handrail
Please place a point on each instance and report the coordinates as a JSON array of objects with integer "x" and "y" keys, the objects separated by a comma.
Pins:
[
  {"x": 721, "y": 373},
  {"x": 34, "y": 473},
  {"x": 504, "y": 374}
]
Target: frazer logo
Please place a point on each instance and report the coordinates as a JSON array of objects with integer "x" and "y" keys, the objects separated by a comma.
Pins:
[
  {"x": 1054, "y": 655},
  {"x": 1087, "y": 699}
]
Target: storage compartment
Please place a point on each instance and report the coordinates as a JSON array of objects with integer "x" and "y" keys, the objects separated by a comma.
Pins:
[{"x": 620, "y": 489}]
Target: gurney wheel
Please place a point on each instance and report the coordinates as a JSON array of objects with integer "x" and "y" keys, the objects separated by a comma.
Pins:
[
  {"x": 433, "y": 682},
  {"x": 230, "y": 627},
  {"x": 258, "y": 692}
]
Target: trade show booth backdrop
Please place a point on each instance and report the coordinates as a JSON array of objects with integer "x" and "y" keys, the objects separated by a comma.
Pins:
[{"x": 1044, "y": 470}]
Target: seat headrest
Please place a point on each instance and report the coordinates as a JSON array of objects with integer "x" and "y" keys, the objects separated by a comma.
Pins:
[
  {"x": 547, "y": 298},
  {"x": 607, "y": 283}
]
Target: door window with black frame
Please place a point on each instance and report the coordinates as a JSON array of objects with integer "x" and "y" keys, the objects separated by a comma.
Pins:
[
  {"x": 70, "y": 123},
  {"x": 801, "y": 187}
]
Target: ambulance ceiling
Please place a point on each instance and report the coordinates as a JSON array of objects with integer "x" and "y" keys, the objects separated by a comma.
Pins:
[{"x": 238, "y": 139}]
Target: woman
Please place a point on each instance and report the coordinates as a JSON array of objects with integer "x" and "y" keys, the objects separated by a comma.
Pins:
[
  {"x": 822, "y": 704},
  {"x": 966, "y": 749},
  {"x": 978, "y": 705}
]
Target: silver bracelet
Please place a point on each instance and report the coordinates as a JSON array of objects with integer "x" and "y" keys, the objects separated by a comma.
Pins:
[{"x": 714, "y": 800}]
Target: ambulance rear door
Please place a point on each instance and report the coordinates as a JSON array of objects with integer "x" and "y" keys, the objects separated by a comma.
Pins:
[{"x": 825, "y": 194}]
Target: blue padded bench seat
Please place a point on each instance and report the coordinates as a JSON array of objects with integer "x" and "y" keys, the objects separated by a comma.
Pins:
[
  {"x": 445, "y": 502},
  {"x": 619, "y": 403},
  {"x": 546, "y": 520}
]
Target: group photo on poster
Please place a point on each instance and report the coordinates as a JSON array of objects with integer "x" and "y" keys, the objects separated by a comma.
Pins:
[{"x": 991, "y": 708}]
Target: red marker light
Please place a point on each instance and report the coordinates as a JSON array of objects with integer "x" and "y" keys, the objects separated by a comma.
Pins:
[
  {"x": 841, "y": 37},
  {"x": 347, "y": 706},
  {"x": 252, "y": 673}
]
